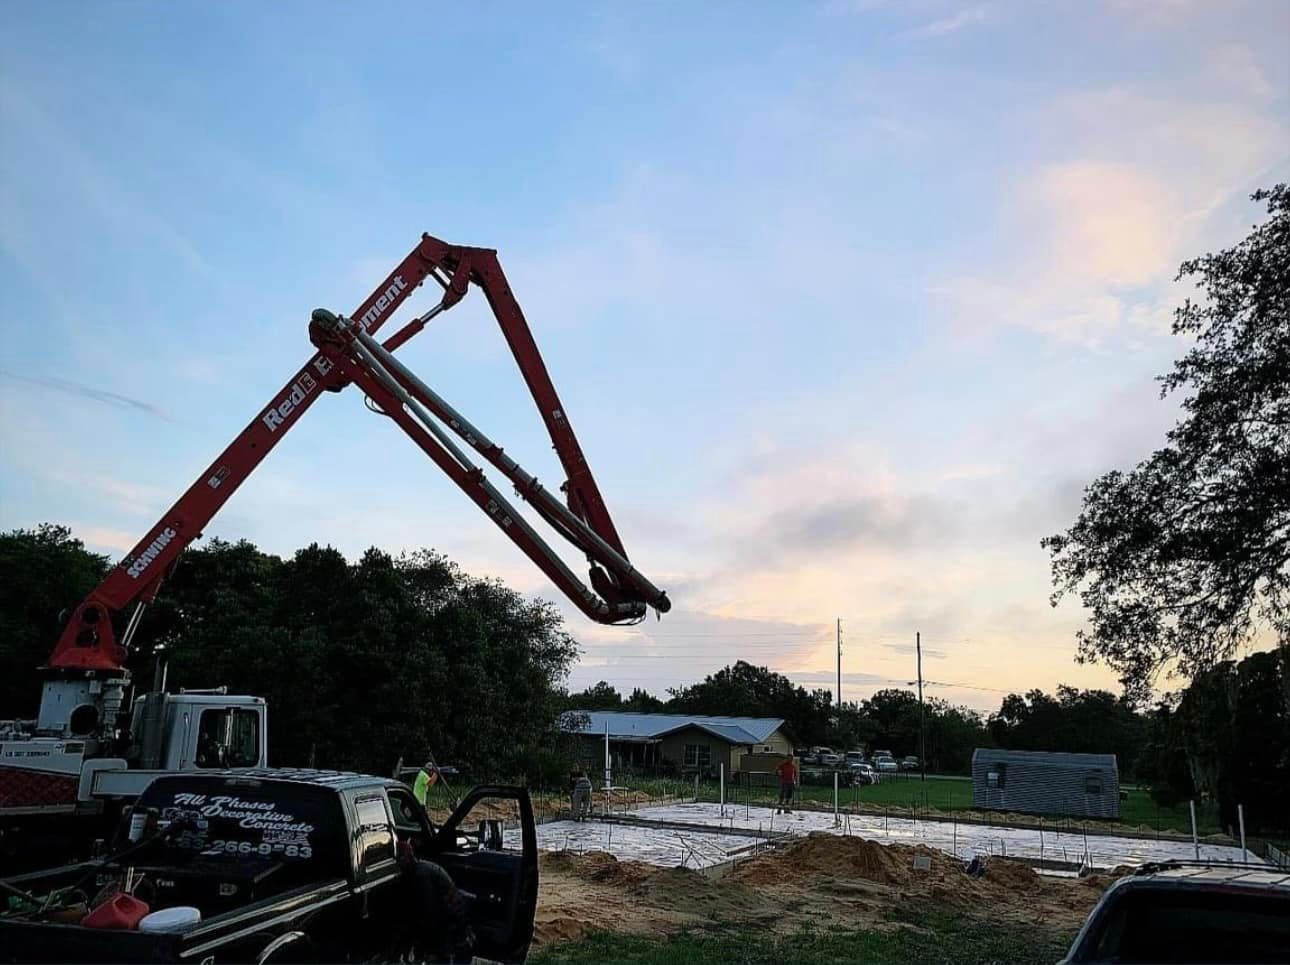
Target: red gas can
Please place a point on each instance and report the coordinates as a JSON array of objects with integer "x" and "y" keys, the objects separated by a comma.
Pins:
[{"x": 119, "y": 911}]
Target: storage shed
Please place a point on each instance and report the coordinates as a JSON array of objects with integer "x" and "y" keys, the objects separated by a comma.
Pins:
[{"x": 1046, "y": 782}]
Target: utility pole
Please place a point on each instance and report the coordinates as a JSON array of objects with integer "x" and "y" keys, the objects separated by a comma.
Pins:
[
  {"x": 839, "y": 666},
  {"x": 922, "y": 733}
]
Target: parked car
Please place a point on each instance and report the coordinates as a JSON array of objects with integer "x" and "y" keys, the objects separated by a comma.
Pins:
[
  {"x": 885, "y": 764},
  {"x": 909, "y": 763},
  {"x": 863, "y": 774},
  {"x": 831, "y": 759},
  {"x": 1189, "y": 912},
  {"x": 878, "y": 754},
  {"x": 856, "y": 757},
  {"x": 278, "y": 866}
]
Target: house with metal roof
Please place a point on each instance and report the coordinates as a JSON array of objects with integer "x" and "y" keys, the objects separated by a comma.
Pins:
[
  {"x": 1046, "y": 782},
  {"x": 678, "y": 743}
]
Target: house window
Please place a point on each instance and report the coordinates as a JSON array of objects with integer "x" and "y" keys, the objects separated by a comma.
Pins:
[
  {"x": 996, "y": 776},
  {"x": 1093, "y": 784},
  {"x": 698, "y": 755}
]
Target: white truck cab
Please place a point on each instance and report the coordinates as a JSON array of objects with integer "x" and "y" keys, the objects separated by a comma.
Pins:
[{"x": 72, "y": 761}]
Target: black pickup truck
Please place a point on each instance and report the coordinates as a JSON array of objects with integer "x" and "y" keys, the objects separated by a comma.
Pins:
[
  {"x": 284, "y": 866},
  {"x": 1185, "y": 912}
]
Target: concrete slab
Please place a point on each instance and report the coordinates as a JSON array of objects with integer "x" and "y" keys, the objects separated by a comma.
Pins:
[
  {"x": 963, "y": 840},
  {"x": 666, "y": 847}
]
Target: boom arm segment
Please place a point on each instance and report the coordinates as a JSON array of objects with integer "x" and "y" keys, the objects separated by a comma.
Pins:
[
  {"x": 414, "y": 406},
  {"x": 88, "y": 641}
]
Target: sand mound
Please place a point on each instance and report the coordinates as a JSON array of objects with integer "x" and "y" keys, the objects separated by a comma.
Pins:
[
  {"x": 823, "y": 854},
  {"x": 597, "y": 866},
  {"x": 1101, "y": 880},
  {"x": 559, "y": 928},
  {"x": 847, "y": 880},
  {"x": 1012, "y": 874}
]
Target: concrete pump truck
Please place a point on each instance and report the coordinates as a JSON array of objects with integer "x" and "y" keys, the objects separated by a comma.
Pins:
[{"x": 99, "y": 740}]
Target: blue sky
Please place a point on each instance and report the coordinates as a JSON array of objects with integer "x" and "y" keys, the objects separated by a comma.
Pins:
[{"x": 846, "y": 301}]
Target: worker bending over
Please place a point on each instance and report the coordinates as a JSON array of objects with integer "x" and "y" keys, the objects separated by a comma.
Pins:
[{"x": 580, "y": 799}]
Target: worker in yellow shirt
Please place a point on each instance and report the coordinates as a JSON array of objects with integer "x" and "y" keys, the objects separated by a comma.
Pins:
[{"x": 427, "y": 776}]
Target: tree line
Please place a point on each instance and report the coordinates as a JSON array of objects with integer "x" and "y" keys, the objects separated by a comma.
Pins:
[
  {"x": 403, "y": 656},
  {"x": 361, "y": 663},
  {"x": 1081, "y": 721},
  {"x": 1223, "y": 738}
]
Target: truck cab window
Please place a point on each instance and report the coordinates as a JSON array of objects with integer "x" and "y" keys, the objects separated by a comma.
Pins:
[
  {"x": 228, "y": 737},
  {"x": 374, "y": 833}
]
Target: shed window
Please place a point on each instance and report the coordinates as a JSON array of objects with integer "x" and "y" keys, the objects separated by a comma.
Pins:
[
  {"x": 698, "y": 755},
  {"x": 996, "y": 776},
  {"x": 1093, "y": 784}
]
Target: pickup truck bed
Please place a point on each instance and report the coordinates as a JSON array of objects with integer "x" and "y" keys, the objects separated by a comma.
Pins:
[{"x": 288, "y": 866}]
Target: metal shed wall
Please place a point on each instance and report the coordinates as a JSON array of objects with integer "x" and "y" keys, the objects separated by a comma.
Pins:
[{"x": 1040, "y": 782}]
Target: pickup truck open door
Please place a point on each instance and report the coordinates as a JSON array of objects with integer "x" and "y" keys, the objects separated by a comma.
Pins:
[{"x": 503, "y": 883}]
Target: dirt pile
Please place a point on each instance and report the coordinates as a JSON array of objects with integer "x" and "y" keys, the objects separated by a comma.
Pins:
[
  {"x": 595, "y": 890},
  {"x": 862, "y": 877},
  {"x": 827, "y": 855},
  {"x": 846, "y": 880}
]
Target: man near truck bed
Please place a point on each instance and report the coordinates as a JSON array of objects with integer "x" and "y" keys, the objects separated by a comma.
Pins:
[{"x": 440, "y": 911}]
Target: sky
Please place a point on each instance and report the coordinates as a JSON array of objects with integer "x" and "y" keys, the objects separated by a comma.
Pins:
[{"x": 847, "y": 301}]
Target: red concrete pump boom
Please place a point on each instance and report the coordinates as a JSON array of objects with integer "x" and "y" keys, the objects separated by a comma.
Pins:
[{"x": 348, "y": 353}]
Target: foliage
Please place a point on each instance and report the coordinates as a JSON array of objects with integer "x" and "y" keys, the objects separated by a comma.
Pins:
[
  {"x": 360, "y": 662},
  {"x": 1234, "y": 725},
  {"x": 1187, "y": 557},
  {"x": 43, "y": 571},
  {"x": 602, "y": 696},
  {"x": 743, "y": 690},
  {"x": 1077, "y": 721},
  {"x": 643, "y": 702},
  {"x": 1162, "y": 762}
]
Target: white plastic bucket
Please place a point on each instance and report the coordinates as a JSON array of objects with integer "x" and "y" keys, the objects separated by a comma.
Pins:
[{"x": 170, "y": 919}]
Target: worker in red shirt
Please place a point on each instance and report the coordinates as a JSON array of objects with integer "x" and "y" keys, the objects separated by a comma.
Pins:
[{"x": 787, "y": 783}]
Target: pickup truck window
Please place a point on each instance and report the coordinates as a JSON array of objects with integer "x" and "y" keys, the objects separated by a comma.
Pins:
[
  {"x": 374, "y": 833},
  {"x": 228, "y": 737},
  {"x": 408, "y": 814}
]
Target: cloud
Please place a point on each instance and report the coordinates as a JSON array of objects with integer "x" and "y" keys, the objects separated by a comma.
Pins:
[
  {"x": 87, "y": 392},
  {"x": 1145, "y": 182},
  {"x": 891, "y": 522},
  {"x": 76, "y": 170},
  {"x": 1236, "y": 68},
  {"x": 967, "y": 17},
  {"x": 909, "y": 650},
  {"x": 105, "y": 539},
  {"x": 972, "y": 471}
]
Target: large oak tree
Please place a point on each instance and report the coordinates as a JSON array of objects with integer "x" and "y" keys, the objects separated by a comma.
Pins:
[{"x": 1186, "y": 558}]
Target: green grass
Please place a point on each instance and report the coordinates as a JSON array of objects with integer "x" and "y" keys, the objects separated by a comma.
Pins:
[
  {"x": 934, "y": 939},
  {"x": 907, "y": 791}
]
